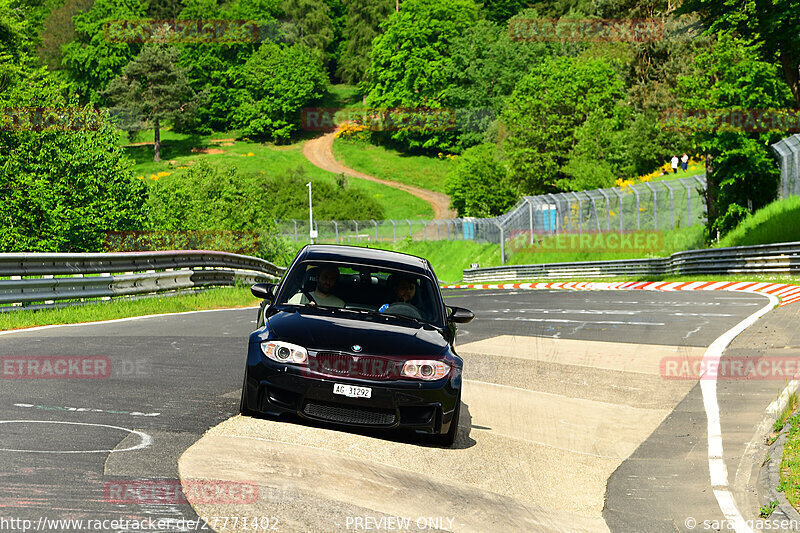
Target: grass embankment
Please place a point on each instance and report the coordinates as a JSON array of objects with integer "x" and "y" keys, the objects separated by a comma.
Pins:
[
  {"x": 777, "y": 222},
  {"x": 223, "y": 150},
  {"x": 790, "y": 463},
  {"x": 220, "y": 298},
  {"x": 390, "y": 164}
]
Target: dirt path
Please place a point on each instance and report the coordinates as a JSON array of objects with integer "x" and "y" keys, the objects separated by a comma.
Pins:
[{"x": 319, "y": 152}]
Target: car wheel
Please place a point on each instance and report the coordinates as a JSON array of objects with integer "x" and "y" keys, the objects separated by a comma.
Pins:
[{"x": 447, "y": 439}]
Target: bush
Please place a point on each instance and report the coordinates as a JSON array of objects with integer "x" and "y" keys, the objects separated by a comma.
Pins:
[
  {"x": 479, "y": 185},
  {"x": 278, "y": 82},
  {"x": 62, "y": 190}
]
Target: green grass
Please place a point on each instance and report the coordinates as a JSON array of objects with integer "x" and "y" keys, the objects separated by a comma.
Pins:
[
  {"x": 342, "y": 96},
  {"x": 220, "y": 298},
  {"x": 777, "y": 222},
  {"x": 693, "y": 169},
  {"x": 252, "y": 157},
  {"x": 790, "y": 464},
  {"x": 390, "y": 164}
]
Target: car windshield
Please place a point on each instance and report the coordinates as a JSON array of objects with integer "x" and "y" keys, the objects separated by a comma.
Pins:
[{"x": 362, "y": 288}]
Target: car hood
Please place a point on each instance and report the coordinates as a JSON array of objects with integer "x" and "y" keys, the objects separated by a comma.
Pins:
[{"x": 375, "y": 334}]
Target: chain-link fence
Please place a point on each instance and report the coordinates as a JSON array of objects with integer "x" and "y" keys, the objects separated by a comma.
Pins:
[
  {"x": 656, "y": 206},
  {"x": 788, "y": 152}
]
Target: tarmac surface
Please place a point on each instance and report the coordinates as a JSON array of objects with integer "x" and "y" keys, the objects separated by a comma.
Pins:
[{"x": 567, "y": 416}]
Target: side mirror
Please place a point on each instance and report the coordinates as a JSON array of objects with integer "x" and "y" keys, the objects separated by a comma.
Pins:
[
  {"x": 263, "y": 290},
  {"x": 460, "y": 315}
]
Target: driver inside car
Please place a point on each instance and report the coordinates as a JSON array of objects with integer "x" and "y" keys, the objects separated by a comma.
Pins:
[{"x": 323, "y": 293}]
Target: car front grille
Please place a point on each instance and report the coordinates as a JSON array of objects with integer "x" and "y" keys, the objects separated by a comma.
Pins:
[
  {"x": 354, "y": 366},
  {"x": 350, "y": 415}
]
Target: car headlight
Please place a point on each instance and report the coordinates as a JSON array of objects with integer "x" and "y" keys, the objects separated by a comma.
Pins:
[
  {"x": 284, "y": 352},
  {"x": 425, "y": 369}
]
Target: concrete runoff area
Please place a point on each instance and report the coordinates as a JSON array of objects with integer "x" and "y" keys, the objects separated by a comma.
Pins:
[{"x": 524, "y": 459}]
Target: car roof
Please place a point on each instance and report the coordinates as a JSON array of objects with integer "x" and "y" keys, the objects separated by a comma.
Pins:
[{"x": 368, "y": 256}]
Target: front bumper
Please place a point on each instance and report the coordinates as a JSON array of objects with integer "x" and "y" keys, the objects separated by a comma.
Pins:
[{"x": 276, "y": 389}]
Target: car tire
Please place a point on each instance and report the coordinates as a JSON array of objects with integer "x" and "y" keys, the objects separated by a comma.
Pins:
[
  {"x": 243, "y": 409},
  {"x": 449, "y": 438}
]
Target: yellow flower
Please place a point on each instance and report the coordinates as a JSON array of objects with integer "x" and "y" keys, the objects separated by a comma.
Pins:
[
  {"x": 250, "y": 154},
  {"x": 139, "y": 177}
]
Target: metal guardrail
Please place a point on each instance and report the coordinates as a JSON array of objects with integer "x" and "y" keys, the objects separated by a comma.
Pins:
[
  {"x": 50, "y": 277},
  {"x": 781, "y": 258}
]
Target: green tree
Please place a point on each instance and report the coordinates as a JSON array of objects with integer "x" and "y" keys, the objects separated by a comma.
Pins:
[
  {"x": 152, "y": 89},
  {"x": 772, "y": 25},
  {"x": 485, "y": 65},
  {"x": 313, "y": 24},
  {"x": 92, "y": 60},
  {"x": 502, "y": 10},
  {"x": 278, "y": 81},
  {"x": 740, "y": 171},
  {"x": 57, "y": 30},
  {"x": 214, "y": 68},
  {"x": 362, "y": 25},
  {"x": 410, "y": 59},
  {"x": 545, "y": 111},
  {"x": 63, "y": 186},
  {"x": 479, "y": 184}
]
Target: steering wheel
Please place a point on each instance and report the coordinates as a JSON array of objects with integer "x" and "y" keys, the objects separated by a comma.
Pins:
[{"x": 405, "y": 309}]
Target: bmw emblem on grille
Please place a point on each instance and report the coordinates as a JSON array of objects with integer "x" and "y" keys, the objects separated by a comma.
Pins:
[{"x": 357, "y": 348}]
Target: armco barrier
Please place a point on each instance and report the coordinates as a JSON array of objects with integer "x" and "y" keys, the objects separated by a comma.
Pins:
[
  {"x": 49, "y": 277},
  {"x": 782, "y": 258}
]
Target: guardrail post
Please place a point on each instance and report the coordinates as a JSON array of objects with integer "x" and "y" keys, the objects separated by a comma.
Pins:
[
  {"x": 409, "y": 228},
  {"x": 394, "y": 231},
  {"x": 295, "y": 230},
  {"x": 358, "y": 238},
  {"x": 425, "y": 230},
  {"x": 438, "y": 230},
  {"x": 336, "y": 229},
  {"x": 376, "y": 229}
]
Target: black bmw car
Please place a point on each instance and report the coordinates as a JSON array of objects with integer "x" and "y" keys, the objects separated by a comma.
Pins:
[{"x": 358, "y": 337}]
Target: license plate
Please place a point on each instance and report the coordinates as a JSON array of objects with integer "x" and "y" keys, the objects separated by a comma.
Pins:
[{"x": 352, "y": 391}]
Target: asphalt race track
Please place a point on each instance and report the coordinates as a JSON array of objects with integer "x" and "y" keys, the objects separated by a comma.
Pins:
[{"x": 565, "y": 407}]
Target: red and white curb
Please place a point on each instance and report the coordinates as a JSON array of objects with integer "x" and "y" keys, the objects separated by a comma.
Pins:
[{"x": 787, "y": 293}]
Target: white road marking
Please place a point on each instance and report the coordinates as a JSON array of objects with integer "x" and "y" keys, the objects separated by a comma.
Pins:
[
  {"x": 84, "y": 410},
  {"x": 718, "y": 473},
  {"x": 568, "y": 321},
  {"x": 145, "y": 439}
]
